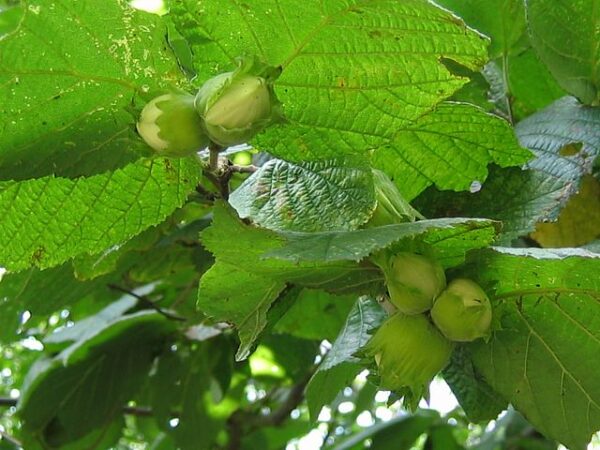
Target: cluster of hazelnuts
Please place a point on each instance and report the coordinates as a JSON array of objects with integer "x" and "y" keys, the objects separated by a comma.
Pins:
[
  {"x": 416, "y": 342},
  {"x": 228, "y": 109}
]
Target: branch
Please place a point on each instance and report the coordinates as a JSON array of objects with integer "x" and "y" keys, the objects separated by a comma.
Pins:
[
  {"x": 8, "y": 401},
  {"x": 505, "y": 81},
  {"x": 243, "y": 421},
  {"x": 11, "y": 440},
  {"x": 220, "y": 171},
  {"x": 293, "y": 399},
  {"x": 140, "y": 411},
  {"x": 235, "y": 430},
  {"x": 213, "y": 157},
  {"x": 242, "y": 169},
  {"x": 147, "y": 302},
  {"x": 205, "y": 193},
  {"x": 221, "y": 182}
]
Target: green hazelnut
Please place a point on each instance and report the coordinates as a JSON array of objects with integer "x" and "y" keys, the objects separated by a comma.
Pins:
[
  {"x": 237, "y": 105},
  {"x": 171, "y": 126},
  {"x": 413, "y": 281},
  {"x": 462, "y": 312},
  {"x": 409, "y": 352}
]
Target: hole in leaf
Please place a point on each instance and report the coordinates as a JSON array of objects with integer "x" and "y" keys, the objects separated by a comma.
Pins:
[{"x": 456, "y": 68}]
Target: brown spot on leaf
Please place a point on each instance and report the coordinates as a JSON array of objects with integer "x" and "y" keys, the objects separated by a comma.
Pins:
[
  {"x": 571, "y": 149},
  {"x": 38, "y": 255}
]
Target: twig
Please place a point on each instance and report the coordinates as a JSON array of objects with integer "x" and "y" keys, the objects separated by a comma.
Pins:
[
  {"x": 242, "y": 169},
  {"x": 8, "y": 438},
  {"x": 506, "y": 82},
  {"x": 205, "y": 193},
  {"x": 140, "y": 411},
  {"x": 213, "y": 157},
  {"x": 8, "y": 401},
  {"x": 147, "y": 302},
  {"x": 243, "y": 421},
  {"x": 220, "y": 182},
  {"x": 220, "y": 174},
  {"x": 294, "y": 398},
  {"x": 235, "y": 430}
]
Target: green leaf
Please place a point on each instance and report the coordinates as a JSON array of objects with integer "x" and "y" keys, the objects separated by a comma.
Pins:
[
  {"x": 67, "y": 396},
  {"x": 516, "y": 197},
  {"x": 543, "y": 358},
  {"x": 315, "y": 315},
  {"x": 365, "y": 316},
  {"x": 475, "y": 92},
  {"x": 247, "y": 252},
  {"x": 313, "y": 196},
  {"x": 350, "y": 97},
  {"x": 502, "y": 20},
  {"x": 449, "y": 147},
  {"x": 48, "y": 220},
  {"x": 476, "y": 397},
  {"x": 354, "y": 81},
  {"x": 451, "y": 238},
  {"x": 399, "y": 433},
  {"x": 250, "y": 241},
  {"x": 340, "y": 366},
  {"x": 441, "y": 437},
  {"x": 325, "y": 385},
  {"x": 174, "y": 261},
  {"x": 42, "y": 293},
  {"x": 275, "y": 438},
  {"x": 242, "y": 298},
  {"x": 105, "y": 437},
  {"x": 332, "y": 113},
  {"x": 86, "y": 328},
  {"x": 88, "y": 266},
  {"x": 549, "y": 131},
  {"x": 67, "y": 79},
  {"x": 565, "y": 138},
  {"x": 531, "y": 85},
  {"x": 565, "y": 35},
  {"x": 10, "y": 15},
  {"x": 179, "y": 388}
]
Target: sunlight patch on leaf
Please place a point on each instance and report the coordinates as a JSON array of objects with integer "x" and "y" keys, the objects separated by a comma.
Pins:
[
  {"x": 450, "y": 147},
  {"x": 68, "y": 81},
  {"x": 57, "y": 218}
]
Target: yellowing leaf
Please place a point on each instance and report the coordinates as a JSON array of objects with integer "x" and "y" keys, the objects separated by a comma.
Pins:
[{"x": 579, "y": 221}]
